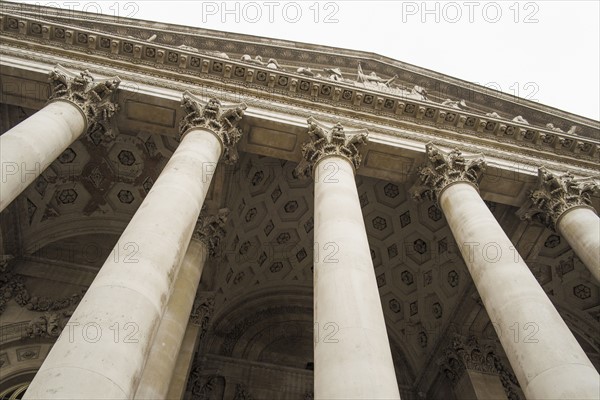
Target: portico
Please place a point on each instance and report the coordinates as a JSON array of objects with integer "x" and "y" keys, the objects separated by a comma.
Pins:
[{"x": 243, "y": 231}]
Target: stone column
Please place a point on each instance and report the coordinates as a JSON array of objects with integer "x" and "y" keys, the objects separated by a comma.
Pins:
[
  {"x": 183, "y": 365},
  {"x": 564, "y": 205},
  {"x": 160, "y": 364},
  {"x": 77, "y": 104},
  {"x": 547, "y": 359},
  {"x": 111, "y": 332},
  {"x": 352, "y": 354},
  {"x": 475, "y": 371}
]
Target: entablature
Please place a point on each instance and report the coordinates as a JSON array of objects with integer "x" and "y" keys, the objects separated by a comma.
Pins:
[
  {"x": 281, "y": 54},
  {"x": 275, "y": 122}
]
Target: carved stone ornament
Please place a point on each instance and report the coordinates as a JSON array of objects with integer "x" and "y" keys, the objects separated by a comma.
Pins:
[
  {"x": 507, "y": 378},
  {"x": 554, "y": 195},
  {"x": 216, "y": 118},
  {"x": 202, "y": 311},
  {"x": 48, "y": 325},
  {"x": 12, "y": 286},
  {"x": 325, "y": 142},
  {"x": 464, "y": 353},
  {"x": 241, "y": 393},
  {"x": 96, "y": 100},
  {"x": 443, "y": 169},
  {"x": 210, "y": 229}
]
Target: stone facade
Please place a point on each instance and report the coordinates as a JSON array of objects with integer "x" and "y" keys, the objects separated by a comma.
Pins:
[{"x": 181, "y": 219}]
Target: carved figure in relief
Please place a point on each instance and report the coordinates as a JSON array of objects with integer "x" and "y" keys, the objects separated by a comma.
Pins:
[
  {"x": 256, "y": 60},
  {"x": 188, "y": 48},
  {"x": 520, "y": 120},
  {"x": 455, "y": 104},
  {"x": 373, "y": 80},
  {"x": 273, "y": 64},
  {"x": 305, "y": 71},
  {"x": 418, "y": 92},
  {"x": 334, "y": 74},
  {"x": 553, "y": 128},
  {"x": 493, "y": 114}
]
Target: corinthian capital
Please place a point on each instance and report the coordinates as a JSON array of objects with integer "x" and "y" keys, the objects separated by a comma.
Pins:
[
  {"x": 216, "y": 118},
  {"x": 443, "y": 169},
  {"x": 202, "y": 311},
  {"x": 465, "y": 353},
  {"x": 96, "y": 100},
  {"x": 325, "y": 142},
  {"x": 554, "y": 195},
  {"x": 210, "y": 229}
]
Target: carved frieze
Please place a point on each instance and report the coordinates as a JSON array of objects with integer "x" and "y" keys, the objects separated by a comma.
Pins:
[
  {"x": 554, "y": 195},
  {"x": 325, "y": 142},
  {"x": 443, "y": 169},
  {"x": 210, "y": 229},
  {"x": 216, "y": 118},
  {"x": 95, "y": 99}
]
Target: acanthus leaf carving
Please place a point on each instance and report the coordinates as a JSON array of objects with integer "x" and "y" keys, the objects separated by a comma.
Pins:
[
  {"x": 12, "y": 286},
  {"x": 210, "y": 229},
  {"x": 443, "y": 169},
  {"x": 214, "y": 117},
  {"x": 241, "y": 393},
  {"x": 202, "y": 312},
  {"x": 554, "y": 195},
  {"x": 49, "y": 325},
  {"x": 325, "y": 142},
  {"x": 95, "y": 99},
  {"x": 507, "y": 378},
  {"x": 465, "y": 353}
]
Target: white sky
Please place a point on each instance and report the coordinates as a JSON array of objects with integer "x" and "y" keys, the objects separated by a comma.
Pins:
[{"x": 542, "y": 50}]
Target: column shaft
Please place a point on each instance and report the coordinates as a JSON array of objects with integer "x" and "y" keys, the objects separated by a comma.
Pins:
[
  {"x": 183, "y": 365},
  {"x": 546, "y": 357},
  {"x": 352, "y": 353},
  {"x": 103, "y": 349},
  {"x": 475, "y": 385},
  {"x": 580, "y": 226},
  {"x": 30, "y": 147},
  {"x": 163, "y": 354}
]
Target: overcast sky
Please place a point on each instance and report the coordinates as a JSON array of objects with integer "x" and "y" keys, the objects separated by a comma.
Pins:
[{"x": 546, "y": 51}]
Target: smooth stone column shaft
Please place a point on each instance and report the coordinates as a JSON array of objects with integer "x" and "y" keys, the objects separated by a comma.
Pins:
[
  {"x": 475, "y": 385},
  {"x": 160, "y": 364},
  {"x": 352, "y": 354},
  {"x": 103, "y": 349},
  {"x": 544, "y": 354},
  {"x": 30, "y": 147},
  {"x": 184, "y": 362},
  {"x": 580, "y": 226}
]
